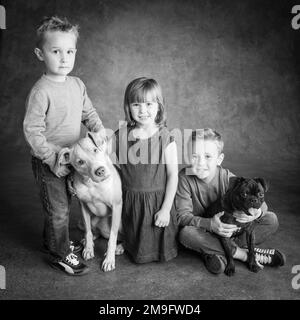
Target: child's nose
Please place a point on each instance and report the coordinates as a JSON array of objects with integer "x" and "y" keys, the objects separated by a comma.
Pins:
[
  {"x": 63, "y": 57},
  {"x": 201, "y": 161},
  {"x": 143, "y": 107}
]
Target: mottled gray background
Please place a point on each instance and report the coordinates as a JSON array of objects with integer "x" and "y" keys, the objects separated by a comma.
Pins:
[{"x": 230, "y": 65}]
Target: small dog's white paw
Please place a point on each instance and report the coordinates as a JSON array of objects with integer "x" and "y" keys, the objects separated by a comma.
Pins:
[{"x": 119, "y": 249}]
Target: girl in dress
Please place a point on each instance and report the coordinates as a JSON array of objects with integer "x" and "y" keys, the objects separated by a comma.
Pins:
[{"x": 147, "y": 156}]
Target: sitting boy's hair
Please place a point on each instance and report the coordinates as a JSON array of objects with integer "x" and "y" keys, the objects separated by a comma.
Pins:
[
  {"x": 208, "y": 134},
  {"x": 54, "y": 23}
]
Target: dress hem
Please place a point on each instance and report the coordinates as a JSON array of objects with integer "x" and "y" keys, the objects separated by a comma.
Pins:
[{"x": 152, "y": 257}]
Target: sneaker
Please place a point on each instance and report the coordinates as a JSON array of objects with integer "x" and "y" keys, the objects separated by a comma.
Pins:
[
  {"x": 75, "y": 247},
  {"x": 269, "y": 257},
  {"x": 71, "y": 265},
  {"x": 214, "y": 263}
]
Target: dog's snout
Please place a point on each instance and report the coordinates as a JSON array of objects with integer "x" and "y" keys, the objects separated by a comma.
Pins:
[
  {"x": 256, "y": 203},
  {"x": 100, "y": 172}
]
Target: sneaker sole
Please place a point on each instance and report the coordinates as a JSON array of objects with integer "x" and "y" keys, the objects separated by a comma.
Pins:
[{"x": 81, "y": 273}]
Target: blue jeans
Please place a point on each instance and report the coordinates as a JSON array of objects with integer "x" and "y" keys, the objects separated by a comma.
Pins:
[
  {"x": 203, "y": 241},
  {"x": 56, "y": 207}
]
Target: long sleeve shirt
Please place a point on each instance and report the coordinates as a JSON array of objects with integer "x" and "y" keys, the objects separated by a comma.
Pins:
[
  {"x": 54, "y": 113},
  {"x": 194, "y": 196}
]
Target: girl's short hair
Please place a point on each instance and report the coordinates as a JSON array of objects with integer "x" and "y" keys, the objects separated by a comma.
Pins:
[
  {"x": 54, "y": 23},
  {"x": 136, "y": 91},
  {"x": 208, "y": 134}
]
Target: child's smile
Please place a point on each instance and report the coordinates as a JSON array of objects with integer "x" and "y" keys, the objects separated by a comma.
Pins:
[
  {"x": 144, "y": 113},
  {"x": 205, "y": 159}
]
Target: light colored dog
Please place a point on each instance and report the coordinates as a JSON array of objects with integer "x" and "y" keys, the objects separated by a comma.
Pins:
[{"x": 97, "y": 185}]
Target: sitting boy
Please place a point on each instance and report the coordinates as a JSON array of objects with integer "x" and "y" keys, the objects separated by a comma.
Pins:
[{"x": 202, "y": 184}]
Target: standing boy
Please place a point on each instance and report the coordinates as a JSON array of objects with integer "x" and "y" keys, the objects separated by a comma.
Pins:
[{"x": 55, "y": 108}]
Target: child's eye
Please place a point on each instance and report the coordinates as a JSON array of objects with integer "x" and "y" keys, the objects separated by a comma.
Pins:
[
  {"x": 55, "y": 51},
  {"x": 70, "y": 51},
  {"x": 96, "y": 150}
]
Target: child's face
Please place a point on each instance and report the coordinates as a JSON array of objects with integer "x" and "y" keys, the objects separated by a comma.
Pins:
[
  {"x": 144, "y": 113},
  {"x": 58, "y": 53},
  {"x": 205, "y": 159}
]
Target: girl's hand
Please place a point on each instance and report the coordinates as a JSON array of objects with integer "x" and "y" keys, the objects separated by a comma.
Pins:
[
  {"x": 162, "y": 218},
  {"x": 220, "y": 228}
]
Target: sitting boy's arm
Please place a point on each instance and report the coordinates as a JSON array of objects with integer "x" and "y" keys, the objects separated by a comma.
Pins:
[
  {"x": 264, "y": 207},
  {"x": 184, "y": 207},
  {"x": 90, "y": 117},
  {"x": 34, "y": 125}
]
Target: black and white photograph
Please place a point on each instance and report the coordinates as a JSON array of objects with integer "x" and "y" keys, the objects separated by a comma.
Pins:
[{"x": 150, "y": 152}]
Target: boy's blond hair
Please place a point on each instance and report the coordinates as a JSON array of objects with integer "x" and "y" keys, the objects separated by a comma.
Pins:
[
  {"x": 54, "y": 23},
  {"x": 207, "y": 134}
]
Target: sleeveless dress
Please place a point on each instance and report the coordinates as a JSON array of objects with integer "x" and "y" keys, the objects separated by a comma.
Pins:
[{"x": 144, "y": 177}]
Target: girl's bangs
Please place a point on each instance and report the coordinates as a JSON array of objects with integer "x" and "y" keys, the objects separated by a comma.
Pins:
[{"x": 141, "y": 94}]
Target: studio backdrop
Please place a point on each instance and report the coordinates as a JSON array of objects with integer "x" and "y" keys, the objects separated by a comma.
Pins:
[{"x": 229, "y": 65}]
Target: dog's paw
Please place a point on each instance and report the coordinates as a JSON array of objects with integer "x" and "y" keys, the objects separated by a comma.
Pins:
[
  {"x": 254, "y": 267},
  {"x": 88, "y": 252},
  {"x": 229, "y": 270},
  {"x": 108, "y": 264},
  {"x": 119, "y": 249}
]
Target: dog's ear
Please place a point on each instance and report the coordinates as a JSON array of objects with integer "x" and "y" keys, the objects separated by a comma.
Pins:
[
  {"x": 229, "y": 198},
  {"x": 263, "y": 183},
  {"x": 99, "y": 138},
  {"x": 63, "y": 156},
  {"x": 235, "y": 181}
]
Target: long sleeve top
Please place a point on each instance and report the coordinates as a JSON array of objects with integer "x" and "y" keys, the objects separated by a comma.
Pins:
[
  {"x": 194, "y": 196},
  {"x": 54, "y": 113}
]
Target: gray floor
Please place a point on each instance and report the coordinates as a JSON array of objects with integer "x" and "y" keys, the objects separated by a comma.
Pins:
[{"x": 29, "y": 277}]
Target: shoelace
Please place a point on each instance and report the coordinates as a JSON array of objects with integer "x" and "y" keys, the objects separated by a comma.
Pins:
[
  {"x": 72, "y": 259},
  {"x": 72, "y": 246},
  {"x": 264, "y": 251},
  {"x": 263, "y": 258}
]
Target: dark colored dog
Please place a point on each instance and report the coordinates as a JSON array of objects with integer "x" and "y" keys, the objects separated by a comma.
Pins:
[{"x": 243, "y": 194}]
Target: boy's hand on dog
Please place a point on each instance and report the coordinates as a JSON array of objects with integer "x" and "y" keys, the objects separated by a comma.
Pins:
[
  {"x": 162, "y": 218},
  {"x": 220, "y": 228},
  {"x": 61, "y": 170}
]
